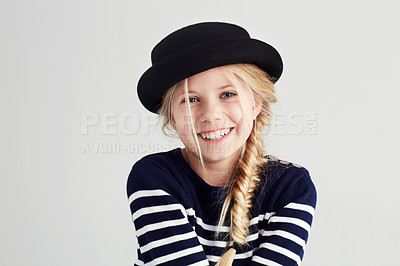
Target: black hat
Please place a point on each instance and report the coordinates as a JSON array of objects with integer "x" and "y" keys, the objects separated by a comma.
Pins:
[{"x": 197, "y": 48}]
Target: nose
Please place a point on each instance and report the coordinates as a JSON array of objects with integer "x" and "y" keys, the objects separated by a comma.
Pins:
[{"x": 210, "y": 112}]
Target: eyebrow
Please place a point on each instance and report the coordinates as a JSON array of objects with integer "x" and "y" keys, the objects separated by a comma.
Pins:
[{"x": 220, "y": 88}]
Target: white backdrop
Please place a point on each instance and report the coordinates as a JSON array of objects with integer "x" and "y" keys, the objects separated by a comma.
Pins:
[{"x": 72, "y": 125}]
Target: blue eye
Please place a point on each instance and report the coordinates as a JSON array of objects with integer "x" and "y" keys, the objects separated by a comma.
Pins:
[
  {"x": 191, "y": 100},
  {"x": 228, "y": 94}
]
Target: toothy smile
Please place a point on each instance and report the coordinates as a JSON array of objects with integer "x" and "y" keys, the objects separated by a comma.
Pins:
[{"x": 215, "y": 135}]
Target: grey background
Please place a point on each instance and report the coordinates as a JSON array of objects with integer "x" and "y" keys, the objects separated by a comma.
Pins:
[{"x": 62, "y": 61}]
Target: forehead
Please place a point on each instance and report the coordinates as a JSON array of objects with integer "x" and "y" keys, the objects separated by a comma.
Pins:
[
  {"x": 213, "y": 79},
  {"x": 214, "y": 75}
]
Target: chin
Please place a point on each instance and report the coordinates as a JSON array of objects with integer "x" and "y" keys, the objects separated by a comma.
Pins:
[{"x": 217, "y": 154}]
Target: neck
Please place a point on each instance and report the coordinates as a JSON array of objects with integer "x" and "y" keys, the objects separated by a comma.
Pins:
[{"x": 216, "y": 173}]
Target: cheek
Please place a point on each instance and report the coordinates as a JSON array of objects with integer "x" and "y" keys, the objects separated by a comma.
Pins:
[
  {"x": 240, "y": 118},
  {"x": 246, "y": 120},
  {"x": 182, "y": 122}
]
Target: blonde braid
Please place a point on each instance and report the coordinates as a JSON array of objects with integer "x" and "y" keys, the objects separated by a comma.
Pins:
[
  {"x": 242, "y": 192},
  {"x": 246, "y": 182},
  {"x": 247, "y": 176}
]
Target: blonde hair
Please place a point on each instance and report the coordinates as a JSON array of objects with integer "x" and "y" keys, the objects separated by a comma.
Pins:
[{"x": 246, "y": 178}]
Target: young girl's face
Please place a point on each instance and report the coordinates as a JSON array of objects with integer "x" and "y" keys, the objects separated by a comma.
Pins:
[{"x": 221, "y": 126}]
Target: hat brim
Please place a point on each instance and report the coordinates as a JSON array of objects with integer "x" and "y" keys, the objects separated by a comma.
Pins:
[{"x": 196, "y": 59}]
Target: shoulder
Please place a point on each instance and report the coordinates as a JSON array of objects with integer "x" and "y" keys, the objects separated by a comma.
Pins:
[
  {"x": 280, "y": 167},
  {"x": 153, "y": 171},
  {"x": 154, "y": 162},
  {"x": 288, "y": 182},
  {"x": 292, "y": 172}
]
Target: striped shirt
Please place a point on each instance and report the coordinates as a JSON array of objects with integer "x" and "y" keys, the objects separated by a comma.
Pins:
[{"x": 175, "y": 212}]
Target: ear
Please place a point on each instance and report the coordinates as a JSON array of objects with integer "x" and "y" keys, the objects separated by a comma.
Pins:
[{"x": 257, "y": 107}]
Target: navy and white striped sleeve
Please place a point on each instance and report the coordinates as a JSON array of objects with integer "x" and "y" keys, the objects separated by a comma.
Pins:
[
  {"x": 163, "y": 231},
  {"x": 285, "y": 233}
]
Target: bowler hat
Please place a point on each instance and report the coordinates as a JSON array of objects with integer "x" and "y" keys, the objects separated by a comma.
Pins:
[{"x": 197, "y": 48}]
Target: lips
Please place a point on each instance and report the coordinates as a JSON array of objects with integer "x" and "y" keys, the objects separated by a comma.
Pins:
[{"x": 215, "y": 135}]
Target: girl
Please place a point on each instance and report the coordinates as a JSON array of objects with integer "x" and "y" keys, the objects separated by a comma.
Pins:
[{"x": 218, "y": 200}]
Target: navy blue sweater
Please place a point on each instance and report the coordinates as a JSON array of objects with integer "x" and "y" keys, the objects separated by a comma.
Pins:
[{"x": 175, "y": 213}]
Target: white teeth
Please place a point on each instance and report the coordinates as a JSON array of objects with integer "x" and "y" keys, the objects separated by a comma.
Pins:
[{"x": 216, "y": 134}]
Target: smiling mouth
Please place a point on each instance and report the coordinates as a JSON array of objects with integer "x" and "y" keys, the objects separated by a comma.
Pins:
[{"x": 215, "y": 135}]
